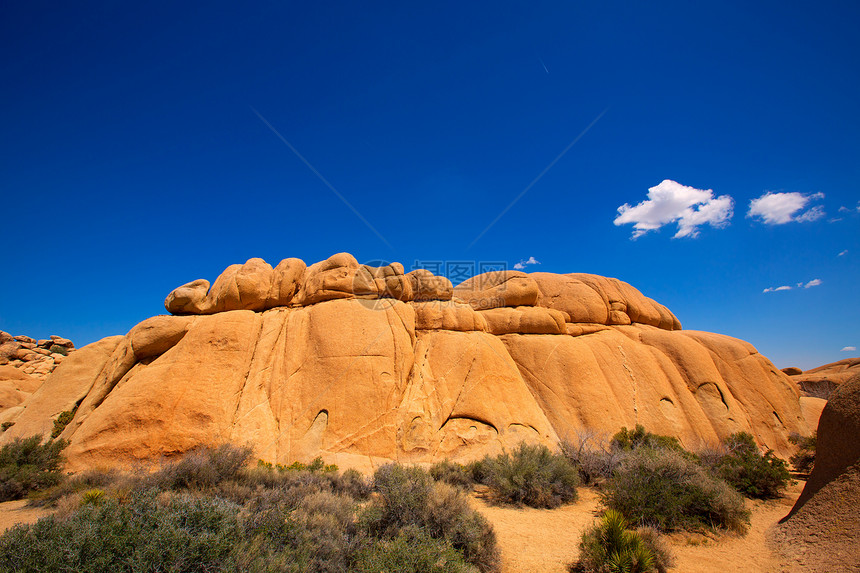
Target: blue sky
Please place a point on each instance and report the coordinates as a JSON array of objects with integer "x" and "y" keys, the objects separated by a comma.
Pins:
[{"x": 133, "y": 161}]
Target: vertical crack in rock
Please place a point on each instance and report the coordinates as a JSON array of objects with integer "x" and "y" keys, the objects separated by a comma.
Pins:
[{"x": 633, "y": 382}]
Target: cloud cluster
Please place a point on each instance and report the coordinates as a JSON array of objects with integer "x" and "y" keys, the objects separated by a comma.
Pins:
[
  {"x": 810, "y": 284},
  {"x": 522, "y": 264},
  {"x": 671, "y": 202},
  {"x": 781, "y": 208},
  {"x": 849, "y": 349}
]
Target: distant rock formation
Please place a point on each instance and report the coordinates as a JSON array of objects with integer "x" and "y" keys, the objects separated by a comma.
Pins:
[
  {"x": 37, "y": 358},
  {"x": 823, "y": 527},
  {"x": 363, "y": 364},
  {"x": 820, "y": 382}
]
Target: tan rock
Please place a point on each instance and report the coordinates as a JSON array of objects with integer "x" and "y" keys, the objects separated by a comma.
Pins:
[
  {"x": 498, "y": 289},
  {"x": 427, "y": 286},
  {"x": 811, "y": 409},
  {"x": 331, "y": 279},
  {"x": 447, "y": 315},
  {"x": 792, "y": 371},
  {"x": 188, "y": 299},
  {"x": 66, "y": 386},
  {"x": 524, "y": 320},
  {"x": 363, "y": 364},
  {"x": 25, "y": 339},
  {"x": 15, "y": 387}
]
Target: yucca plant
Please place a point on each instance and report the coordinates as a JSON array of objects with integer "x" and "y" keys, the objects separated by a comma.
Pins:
[{"x": 611, "y": 547}]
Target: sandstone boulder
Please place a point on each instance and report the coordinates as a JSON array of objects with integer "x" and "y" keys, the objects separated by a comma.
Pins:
[{"x": 498, "y": 289}]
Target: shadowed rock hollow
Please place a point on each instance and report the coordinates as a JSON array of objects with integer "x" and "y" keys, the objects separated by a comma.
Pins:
[{"x": 366, "y": 364}]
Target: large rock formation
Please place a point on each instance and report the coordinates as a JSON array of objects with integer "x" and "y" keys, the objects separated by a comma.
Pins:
[
  {"x": 366, "y": 364},
  {"x": 823, "y": 527}
]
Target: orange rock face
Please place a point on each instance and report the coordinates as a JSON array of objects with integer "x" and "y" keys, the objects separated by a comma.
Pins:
[{"x": 363, "y": 365}]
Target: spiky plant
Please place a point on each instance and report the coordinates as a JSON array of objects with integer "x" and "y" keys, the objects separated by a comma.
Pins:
[{"x": 610, "y": 547}]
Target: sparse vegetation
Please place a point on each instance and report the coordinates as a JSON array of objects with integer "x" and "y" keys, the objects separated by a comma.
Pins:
[
  {"x": 667, "y": 490},
  {"x": 612, "y": 547},
  {"x": 750, "y": 472},
  {"x": 804, "y": 459},
  {"x": 629, "y": 440},
  {"x": 62, "y": 421},
  {"x": 27, "y": 465},
  {"x": 454, "y": 474},
  {"x": 592, "y": 455},
  {"x": 210, "y": 511},
  {"x": 531, "y": 475},
  {"x": 6, "y": 425}
]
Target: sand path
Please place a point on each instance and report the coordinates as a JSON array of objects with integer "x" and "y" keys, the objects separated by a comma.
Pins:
[{"x": 546, "y": 541}]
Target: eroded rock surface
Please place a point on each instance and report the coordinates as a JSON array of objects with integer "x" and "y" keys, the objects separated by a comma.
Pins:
[{"x": 364, "y": 364}]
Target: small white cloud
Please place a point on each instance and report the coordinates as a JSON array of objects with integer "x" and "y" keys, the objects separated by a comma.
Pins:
[
  {"x": 849, "y": 349},
  {"x": 781, "y": 208},
  {"x": 812, "y": 283},
  {"x": 776, "y": 289},
  {"x": 844, "y": 209},
  {"x": 522, "y": 264},
  {"x": 671, "y": 202},
  {"x": 843, "y": 253}
]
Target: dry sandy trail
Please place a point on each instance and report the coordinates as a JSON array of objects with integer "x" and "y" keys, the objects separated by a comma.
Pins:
[{"x": 545, "y": 541}]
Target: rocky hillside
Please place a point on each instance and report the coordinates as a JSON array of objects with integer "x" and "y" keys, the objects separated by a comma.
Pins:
[
  {"x": 822, "y": 381},
  {"x": 37, "y": 358},
  {"x": 365, "y": 364}
]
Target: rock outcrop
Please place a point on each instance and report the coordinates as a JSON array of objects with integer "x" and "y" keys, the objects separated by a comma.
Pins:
[
  {"x": 822, "y": 529},
  {"x": 820, "y": 382},
  {"x": 364, "y": 364},
  {"x": 36, "y": 358}
]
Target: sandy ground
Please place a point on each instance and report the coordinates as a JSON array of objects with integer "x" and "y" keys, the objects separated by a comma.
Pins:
[
  {"x": 545, "y": 541},
  {"x": 12, "y": 512}
]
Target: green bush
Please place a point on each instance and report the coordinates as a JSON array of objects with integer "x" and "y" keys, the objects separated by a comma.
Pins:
[
  {"x": 411, "y": 551},
  {"x": 748, "y": 471},
  {"x": 6, "y": 425},
  {"x": 62, "y": 421},
  {"x": 201, "y": 468},
  {"x": 612, "y": 547},
  {"x": 666, "y": 490},
  {"x": 28, "y": 465},
  {"x": 409, "y": 498},
  {"x": 453, "y": 474},
  {"x": 804, "y": 459},
  {"x": 531, "y": 475},
  {"x": 629, "y": 440},
  {"x": 149, "y": 533}
]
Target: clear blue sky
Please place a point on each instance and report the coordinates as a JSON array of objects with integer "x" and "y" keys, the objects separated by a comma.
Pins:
[{"x": 132, "y": 160}]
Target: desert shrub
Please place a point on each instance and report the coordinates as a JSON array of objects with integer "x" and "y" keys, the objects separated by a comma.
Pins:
[
  {"x": 804, "y": 459},
  {"x": 409, "y": 498},
  {"x": 149, "y": 533},
  {"x": 57, "y": 349},
  {"x": 411, "y": 551},
  {"x": 628, "y": 440},
  {"x": 593, "y": 457},
  {"x": 6, "y": 425},
  {"x": 453, "y": 474},
  {"x": 531, "y": 475},
  {"x": 612, "y": 547},
  {"x": 28, "y": 465},
  {"x": 89, "y": 479},
  {"x": 62, "y": 421},
  {"x": 666, "y": 490},
  {"x": 202, "y": 468},
  {"x": 748, "y": 471}
]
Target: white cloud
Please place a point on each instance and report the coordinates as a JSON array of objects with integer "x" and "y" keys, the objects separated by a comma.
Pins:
[
  {"x": 671, "y": 202},
  {"x": 810, "y": 284},
  {"x": 849, "y": 349},
  {"x": 843, "y": 253},
  {"x": 781, "y": 208},
  {"x": 522, "y": 264}
]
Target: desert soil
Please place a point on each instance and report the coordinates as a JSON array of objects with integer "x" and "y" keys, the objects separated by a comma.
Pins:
[
  {"x": 12, "y": 512},
  {"x": 546, "y": 541}
]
